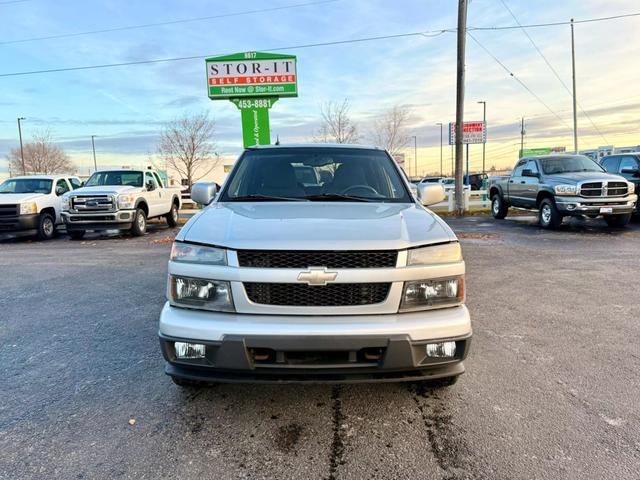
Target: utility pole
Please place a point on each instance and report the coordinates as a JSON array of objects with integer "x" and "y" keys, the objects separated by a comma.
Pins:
[
  {"x": 484, "y": 121},
  {"x": 24, "y": 169},
  {"x": 575, "y": 114},
  {"x": 522, "y": 134},
  {"x": 440, "y": 147},
  {"x": 415, "y": 154},
  {"x": 462, "y": 36},
  {"x": 93, "y": 145}
]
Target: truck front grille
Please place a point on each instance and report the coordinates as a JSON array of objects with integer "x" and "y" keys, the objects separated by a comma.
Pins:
[
  {"x": 94, "y": 203},
  {"x": 8, "y": 210},
  {"x": 305, "y": 259},
  {"x": 332, "y": 295},
  {"x": 604, "y": 189}
]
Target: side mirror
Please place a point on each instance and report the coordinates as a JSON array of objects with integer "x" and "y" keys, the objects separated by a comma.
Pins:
[
  {"x": 60, "y": 191},
  {"x": 204, "y": 192},
  {"x": 431, "y": 193},
  {"x": 631, "y": 171},
  {"x": 529, "y": 173},
  {"x": 150, "y": 186}
]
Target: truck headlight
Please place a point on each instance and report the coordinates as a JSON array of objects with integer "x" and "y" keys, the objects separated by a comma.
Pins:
[
  {"x": 66, "y": 203},
  {"x": 435, "y": 255},
  {"x": 436, "y": 293},
  {"x": 126, "y": 202},
  {"x": 200, "y": 293},
  {"x": 632, "y": 188},
  {"x": 28, "y": 208},
  {"x": 566, "y": 189},
  {"x": 188, "y": 253}
]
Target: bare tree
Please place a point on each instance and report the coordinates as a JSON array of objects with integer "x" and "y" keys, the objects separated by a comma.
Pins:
[
  {"x": 390, "y": 130},
  {"x": 337, "y": 126},
  {"x": 41, "y": 155},
  {"x": 186, "y": 145}
]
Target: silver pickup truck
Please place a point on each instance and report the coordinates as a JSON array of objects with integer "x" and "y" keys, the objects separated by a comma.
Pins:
[
  {"x": 345, "y": 279},
  {"x": 120, "y": 199}
]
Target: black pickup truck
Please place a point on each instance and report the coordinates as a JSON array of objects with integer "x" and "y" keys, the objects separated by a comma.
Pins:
[{"x": 563, "y": 185}]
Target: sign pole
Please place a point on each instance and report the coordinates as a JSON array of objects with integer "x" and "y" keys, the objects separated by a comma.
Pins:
[{"x": 462, "y": 34}]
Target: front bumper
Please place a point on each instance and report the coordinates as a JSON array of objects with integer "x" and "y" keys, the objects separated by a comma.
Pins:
[
  {"x": 271, "y": 348},
  {"x": 592, "y": 206},
  {"x": 19, "y": 223},
  {"x": 119, "y": 220}
]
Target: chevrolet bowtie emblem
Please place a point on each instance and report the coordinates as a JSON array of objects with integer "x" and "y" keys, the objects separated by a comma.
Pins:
[{"x": 317, "y": 276}]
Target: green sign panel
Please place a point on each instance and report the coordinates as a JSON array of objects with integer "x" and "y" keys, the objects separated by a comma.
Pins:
[
  {"x": 534, "y": 152},
  {"x": 252, "y": 74},
  {"x": 255, "y": 120},
  {"x": 253, "y": 81}
]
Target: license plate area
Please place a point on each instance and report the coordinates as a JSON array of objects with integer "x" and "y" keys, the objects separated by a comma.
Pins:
[{"x": 606, "y": 209}]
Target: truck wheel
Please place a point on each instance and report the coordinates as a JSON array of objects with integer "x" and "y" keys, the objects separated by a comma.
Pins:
[
  {"x": 76, "y": 234},
  {"x": 172, "y": 216},
  {"x": 46, "y": 227},
  {"x": 548, "y": 215},
  {"x": 618, "y": 220},
  {"x": 499, "y": 209},
  {"x": 139, "y": 223}
]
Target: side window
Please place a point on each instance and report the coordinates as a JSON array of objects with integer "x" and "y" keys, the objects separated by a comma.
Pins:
[
  {"x": 517, "y": 172},
  {"x": 158, "y": 179},
  {"x": 628, "y": 162},
  {"x": 610, "y": 164},
  {"x": 75, "y": 183},
  {"x": 533, "y": 166},
  {"x": 61, "y": 187},
  {"x": 148, "y": 178}
]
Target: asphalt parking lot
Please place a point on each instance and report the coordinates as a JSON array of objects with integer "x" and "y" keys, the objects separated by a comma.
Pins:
[{"x": 551, "y": 389}]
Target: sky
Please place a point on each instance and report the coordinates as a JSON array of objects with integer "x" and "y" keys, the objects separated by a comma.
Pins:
[{"x": 126, "y": 107}]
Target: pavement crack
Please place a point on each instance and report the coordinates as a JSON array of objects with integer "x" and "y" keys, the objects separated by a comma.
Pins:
[
  {"x": 447, "y": 445},
  {"x": 336, "y": 456}
]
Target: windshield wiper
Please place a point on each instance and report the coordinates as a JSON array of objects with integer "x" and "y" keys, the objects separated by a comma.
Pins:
[
  {"x": 265, "y": 198},
  {"x": 338, "y": 197}
]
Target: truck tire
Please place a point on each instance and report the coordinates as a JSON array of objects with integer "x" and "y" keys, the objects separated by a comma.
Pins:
[
  {"x": 77, "y": 234},
  {"x": 172, "y": 216},
  {"x": 618, "y": 220},
  {"x": 499, "y": 209},
  {"x": 46, "y": 226},
  {"x": 548, "y": 215},
  {"x": 139, "y": 226}
]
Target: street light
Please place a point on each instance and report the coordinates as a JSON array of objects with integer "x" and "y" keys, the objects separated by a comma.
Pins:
[
  {"x": 484, "y": 121},
  {"x": 24, "y": 169},
  {"x": 93, "y": 145},
  {"x": 415, "y": 154},
  {"x": 440, "y": 147}
]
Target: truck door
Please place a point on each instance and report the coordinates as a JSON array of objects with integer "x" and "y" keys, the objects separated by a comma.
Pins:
[
  {"x": 153, "y": 195},
  {"x": 516, "y": 185},
  {"x": 628, "y": 163},
  {"x": 530, "y": 184}
]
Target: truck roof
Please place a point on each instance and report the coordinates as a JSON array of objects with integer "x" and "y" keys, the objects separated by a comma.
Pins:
[
  {"x": 43, "y": 177},
  {"x": 316, "y": 145}
]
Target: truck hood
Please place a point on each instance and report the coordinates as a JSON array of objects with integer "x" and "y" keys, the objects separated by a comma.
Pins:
[
  {"x": 106, "y": 190},
  {"x": 12, "y": 198},
  {"x": 576, "y": 177},
  {"x": 316, "y": 226}
]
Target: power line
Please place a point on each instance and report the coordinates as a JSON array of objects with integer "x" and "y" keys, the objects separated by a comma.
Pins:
[
  {"x": 557, "y": 24},
  {"x": 518, "y": 80},
  {"x": 193, "y": 57},
  {"x": 169, "y": 22},
  {"x": 553, "y": 70}
]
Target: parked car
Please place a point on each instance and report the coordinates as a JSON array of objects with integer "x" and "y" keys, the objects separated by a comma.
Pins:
[
  {"x": 476, "y": 179},
  {"x": 563, "y": 185},
  {"x": 34, "y": 203},
  {"x": 626, "y": 165},
  {"x": 119, "y": 200},
  {"x": 273, "y": 283}
]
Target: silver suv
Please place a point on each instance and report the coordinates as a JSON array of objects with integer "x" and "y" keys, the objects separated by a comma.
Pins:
[{"x": 349, "y": 279}]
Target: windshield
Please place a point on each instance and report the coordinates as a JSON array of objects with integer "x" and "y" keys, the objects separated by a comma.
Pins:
[
  {"x": 577, "y": 163},
  {"x": 116, "y": 177},
  {"x": 316, "y": 174},
  {"x": 26, "y": 185}
]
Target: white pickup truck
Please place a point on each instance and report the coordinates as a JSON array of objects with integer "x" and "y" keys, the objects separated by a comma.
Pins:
[
  {"x": 348, "y": 279},
  {"x": 119, "y": 200},
  {"x": 34, "y": 203}
]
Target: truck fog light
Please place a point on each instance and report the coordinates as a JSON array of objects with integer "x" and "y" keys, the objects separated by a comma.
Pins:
[
  {"x": 441, "y": 350},
  {"x": 571, "y": 206},
  {"x": 189, "y": 350}
]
